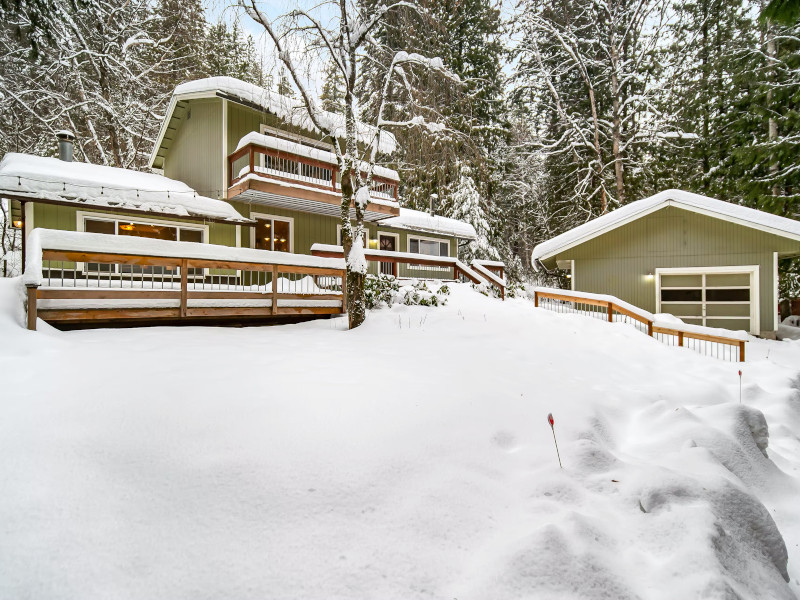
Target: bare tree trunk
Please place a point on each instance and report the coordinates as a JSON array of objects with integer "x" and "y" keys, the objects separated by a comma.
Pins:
[
  {"x": 772, "y": 123},
  {"x": 616, "y": 132}
]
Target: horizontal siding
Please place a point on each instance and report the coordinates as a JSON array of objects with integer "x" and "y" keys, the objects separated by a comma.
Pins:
[{"x": 619, "y": 261}]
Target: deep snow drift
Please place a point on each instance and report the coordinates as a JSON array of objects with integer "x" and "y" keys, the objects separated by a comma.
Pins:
[{"x": 248, "y": 463}]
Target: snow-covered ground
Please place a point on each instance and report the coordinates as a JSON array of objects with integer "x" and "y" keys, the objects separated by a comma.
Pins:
[{"x": 410, "y": 458}]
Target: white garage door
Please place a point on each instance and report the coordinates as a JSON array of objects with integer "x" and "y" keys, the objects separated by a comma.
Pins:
[{"x": 714, "y": 297}]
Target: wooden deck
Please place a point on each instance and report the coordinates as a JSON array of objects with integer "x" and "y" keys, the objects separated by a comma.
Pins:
[{"x": 92, "y": 287}]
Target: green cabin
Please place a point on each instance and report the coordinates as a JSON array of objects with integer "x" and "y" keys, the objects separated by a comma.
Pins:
[{"x": 234, "y": 165}]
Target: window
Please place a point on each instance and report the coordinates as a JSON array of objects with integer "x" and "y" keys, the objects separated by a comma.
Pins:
[
  {"x": 273, "y": 233},
  {"x": 429, "y": 247},
  {"x": 138, "y": 228},
  {"x": 364, "y": 234},
  {"x": 153, "y": 230}
]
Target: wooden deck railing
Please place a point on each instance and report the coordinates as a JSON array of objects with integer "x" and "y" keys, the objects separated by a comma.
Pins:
[
  {"x": 459, "y": 270},
  {"x": 726, "y": 347},
  {"x": 102, "y": 286},
  {"x": 256, "y": 159}
]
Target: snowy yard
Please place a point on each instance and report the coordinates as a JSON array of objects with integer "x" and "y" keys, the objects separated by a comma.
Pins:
[{"x": 247, "y": 463}]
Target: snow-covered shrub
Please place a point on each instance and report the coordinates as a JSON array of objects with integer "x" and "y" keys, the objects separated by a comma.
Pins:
[
  {"x": 385, "y": 290},
  {"x": 418, "y": 293},
  {"x": 379, "y": 290}
]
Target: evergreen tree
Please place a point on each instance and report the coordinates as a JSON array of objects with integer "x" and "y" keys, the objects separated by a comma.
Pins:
[
  {"x": 332, "y": 95},
  {"x": 465, "y": 203},
  {"x": 228, "y": 52}
]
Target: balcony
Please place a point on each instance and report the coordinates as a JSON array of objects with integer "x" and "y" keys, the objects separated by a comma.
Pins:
[{"x": 275, "y": 172}]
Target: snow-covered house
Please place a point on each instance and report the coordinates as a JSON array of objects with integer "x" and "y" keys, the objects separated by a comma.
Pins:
[
  {"x": 235, "y": 167},
  {"x": 242, "y": 166},
  {"x": 709, "y": 262},
  {"x": 259, "y": 151}
]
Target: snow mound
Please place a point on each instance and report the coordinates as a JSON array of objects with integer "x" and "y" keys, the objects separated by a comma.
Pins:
[{"x": 409, "y": 458}]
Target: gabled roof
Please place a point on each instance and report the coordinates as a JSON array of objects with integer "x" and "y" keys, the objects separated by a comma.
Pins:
[
  {"x": 290, "y": 110},
  {"x": 85, "y": 184},
  {"x": 416, "y": 220},
  {"x": 727, "y": 211}
]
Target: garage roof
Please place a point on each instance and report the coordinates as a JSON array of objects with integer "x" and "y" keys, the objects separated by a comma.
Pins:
[{"x": 712, "y": 207}]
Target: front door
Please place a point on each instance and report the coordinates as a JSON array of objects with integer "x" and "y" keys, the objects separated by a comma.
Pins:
[{"x": 388, "y": 243}]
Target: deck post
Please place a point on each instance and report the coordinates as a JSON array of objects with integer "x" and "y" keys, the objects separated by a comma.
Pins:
[
  {"x": 252, "y": 159},
  {"x": 274, "y": 294},
  {"x": 32, "y": 292},
  {"x": 650, "y": 328},
  {"x": 536, "y": 299},
  {"x": 344, "y": 291},
  {"x": 184, "y": 286},
  {"x": 680, "y": 338},
  {"x": 610, "y": 312},
  {"x": 741, "y": 351}
]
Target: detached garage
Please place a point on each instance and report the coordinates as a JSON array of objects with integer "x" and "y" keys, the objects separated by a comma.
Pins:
[{"x": 706, "y": 261}]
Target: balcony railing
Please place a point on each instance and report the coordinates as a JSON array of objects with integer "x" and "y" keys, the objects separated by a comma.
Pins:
[
  {"x": 88, "y": 277},
  {"x": 489, "y": 274},
  {"x": 255, "y": 159}
]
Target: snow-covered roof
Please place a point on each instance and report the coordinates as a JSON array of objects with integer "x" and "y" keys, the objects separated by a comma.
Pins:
[
  {"x": 85, "y": 184},
  {"x": 421, "y": 221},
  {"x": 289, "y": 109},
  {"x": 281, "y": 145},
  {"x": 712, "y": 207}
]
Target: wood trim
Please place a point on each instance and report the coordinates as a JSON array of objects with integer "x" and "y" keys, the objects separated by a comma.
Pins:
[
  {"x": 323, "y": 195},
  {"x": 108, "y": 294},
  {"x": 184, "y": 286},
  {"x": 32, "y": 312},
  {"x": 109, "y": 314},
  {"x": 697, "y": 336},
  {"x": 274, "y": 294},
  {"x": 102, "y": 257}
]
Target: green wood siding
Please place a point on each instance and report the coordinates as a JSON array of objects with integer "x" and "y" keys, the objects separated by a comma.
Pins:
[
  {"x": 618, "y": 262},
  {"x": 312, "y": 229},
  {"x": 195, "y": 155},
  {"x": 65, "y": 218}
]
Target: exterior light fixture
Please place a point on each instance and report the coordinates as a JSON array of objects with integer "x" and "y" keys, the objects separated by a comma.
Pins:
[
  {"x": 373, "y": 244},
  {"x": 17, "y": 224},
  {"x": 649, "y": 276},
  {"x": 126, "y": 226}
]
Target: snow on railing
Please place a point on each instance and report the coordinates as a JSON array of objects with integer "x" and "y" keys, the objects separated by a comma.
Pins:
[
  {"x": 90, "y": 276},
  {"x": 474, "y": 273},
  {"x": 718, "y": 343},
  {"x": 252, "y": 158}
]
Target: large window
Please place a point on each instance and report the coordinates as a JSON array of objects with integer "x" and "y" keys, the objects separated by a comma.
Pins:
[
  {"x": 148, "y": 229},
  {"x": 273, "y": 233},
  {"x": 428, "y": 246},
  {"x": 152, "y": 229}
]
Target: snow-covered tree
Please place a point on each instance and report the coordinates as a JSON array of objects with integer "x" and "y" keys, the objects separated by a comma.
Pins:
[
  {"x": 586, "y": 68},
  {"x": 348, "y": 33},
  {"x": 466, "y": 204}
]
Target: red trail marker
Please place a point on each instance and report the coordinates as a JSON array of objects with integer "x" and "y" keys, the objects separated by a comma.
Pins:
[
  {"x": 740, "y": 386},
  {"x": 553, "y": 429}
]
